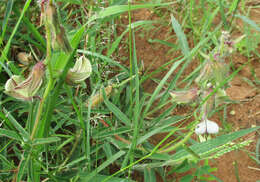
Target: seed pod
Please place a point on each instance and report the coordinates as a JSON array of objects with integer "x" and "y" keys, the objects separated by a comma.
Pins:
[
  {"x": 184, "y": 97},
  {"x": 98, "y": 98},
  {"x": 24, "y": 58}
]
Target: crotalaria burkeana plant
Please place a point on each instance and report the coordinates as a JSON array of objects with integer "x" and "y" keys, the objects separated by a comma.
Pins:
[
  {"x": 44, "y": 77},
  {"x": 213, "y": 72}
]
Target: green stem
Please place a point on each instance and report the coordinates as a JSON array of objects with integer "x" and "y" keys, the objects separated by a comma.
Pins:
[
  {"x": 130, "y": 49},
  {"x": 50, "y": 83}
]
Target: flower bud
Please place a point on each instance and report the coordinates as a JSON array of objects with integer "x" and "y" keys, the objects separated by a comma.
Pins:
[
  {"x": 226, "y": 43},
  {"x": 207, "y": 126},
  {"x": 59, "y": 38},
  {"x": 184, "y": 97},
  {"x": 24, "y": 58},
  {"x": 22, "y": 89},
  {"x": 81, "y": 71}
]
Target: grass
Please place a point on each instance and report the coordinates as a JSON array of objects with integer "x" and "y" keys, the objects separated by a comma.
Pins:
[{"x": 84, "y": 132}]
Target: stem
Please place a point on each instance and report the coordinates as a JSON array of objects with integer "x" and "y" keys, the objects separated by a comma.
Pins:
[
  {"x": 40, "y": 108},
  {"x": 50, "y": 83}
]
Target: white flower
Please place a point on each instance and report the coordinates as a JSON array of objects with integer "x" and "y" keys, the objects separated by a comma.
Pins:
[
  {"x": 207, "y": 126},
  {"x": 81, "y": 71},
  {"x": 25, "y": 89}
]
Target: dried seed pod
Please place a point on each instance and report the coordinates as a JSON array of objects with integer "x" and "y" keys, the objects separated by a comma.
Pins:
[
  {"x": 24, "y": 58},
  {"x": 98, "y": 98},
  {"x": 184, "y": 97}
]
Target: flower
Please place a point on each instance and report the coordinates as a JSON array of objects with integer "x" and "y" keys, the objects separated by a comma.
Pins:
[
  {"x": 207, "y": 126},
  {"x": 81, "y": 71},
  {"x": 184, "y": 97},
  {"x": 25, "y": 89}
]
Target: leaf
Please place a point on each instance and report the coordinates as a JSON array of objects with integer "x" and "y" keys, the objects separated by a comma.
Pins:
[
  {"x": 204, "y": 149},
  {"x": 149, "y": 175},
  {"x": 181, "y": 36},
  {"x": 40, "y": 141},
  {"x": 78, "y": 2},
  {"x": 36, "y": 34},
  {"x": 117, "y": 9},
  {"x": 24, "y": 134},
  {"x": 116, "y": 111},
  {"x": 7, "y": 46},
  {"x": 119, "y": 38},
  {"x": 102, "y": 166},
  {"x": 23, "y": 164},
  {"x": 9, "y": 134},
  {"x": 249, "y": 22},
  {"x": 8, "y": 11},
  {"x": 100, "y": 178},
  {"x": 186, "y": 178}
]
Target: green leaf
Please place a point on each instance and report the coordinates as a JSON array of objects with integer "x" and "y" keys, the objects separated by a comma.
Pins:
[
  {"x": 117, "y": 112},
  {"x": 100, "y": 178},
  {"x": 115, "y": 44},
  {"x": 6, "y": 162},
  {"x": 249, "y": 22},
  {"x": 186, "y": 178},
  {"x": 40, "y": 141},
  {"x": 181, "y": 36},
  {"x": 204, "y": 149},
  {"x": 102, "y": 166},
  {"x": 79, "y": 2},
  {"x": 7, "y": 46},
  {"x": 149, "y": 175},
  {"x": 117, "y": 9},
  {"x": 23, "y": 164},
  {"x": 9, "y": 134},
  {"x": 24, "y": 134},
  {"x": 6, "y": 17},
  {"x": 33, "y": 30}
]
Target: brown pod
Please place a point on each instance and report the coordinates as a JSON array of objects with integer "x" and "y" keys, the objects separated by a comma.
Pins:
[{"x": 98, "y": 98}]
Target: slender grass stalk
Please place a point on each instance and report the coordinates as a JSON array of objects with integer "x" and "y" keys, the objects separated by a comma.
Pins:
[
  {"x": 152, "y": 152},
  {"x": 130, "y": 48}
]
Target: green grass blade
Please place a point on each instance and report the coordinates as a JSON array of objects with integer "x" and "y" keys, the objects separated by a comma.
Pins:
[
  {"x": 32, "y": 29},
  {"x": 181, "y": 36},
  {"x": 249, "y": 22},
  {"x": 21, "y": 130},
  {"x": 118, "y": 9},
  {"x": 102, "y": 166},
  {"x": 9, "y": 134},
  {"x": 160, "y": 86},
  {"x": 6, "y": 17},
  {"x": 23, "y": 164},
  {"x": 116, "y": 111},
  {"x": 223, "y": 16},
  {"x": 7, "y": 47},
  {"x": 41, "y": 141},
  {"x": 149, "y": 175}
]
